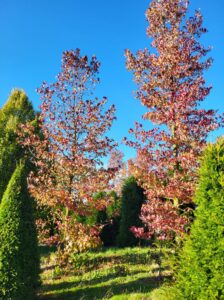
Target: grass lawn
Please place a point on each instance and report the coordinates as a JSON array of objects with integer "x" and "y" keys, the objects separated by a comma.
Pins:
[{"x": 130, "y": 273}]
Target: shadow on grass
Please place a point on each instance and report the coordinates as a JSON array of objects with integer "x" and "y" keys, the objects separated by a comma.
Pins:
[
  {"x": 161, "y": 269},
  {"x": 134, "y": 259},
  {"x": 81, "y": 283},
  {"x": 142, "y": 285},
  {"x": 45, "y": 251}
]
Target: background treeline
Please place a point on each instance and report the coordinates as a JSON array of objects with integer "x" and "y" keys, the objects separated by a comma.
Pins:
[{"x": 120, "y": 216}]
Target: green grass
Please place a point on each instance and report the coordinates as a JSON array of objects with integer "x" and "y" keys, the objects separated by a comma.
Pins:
[{"x": 117, "y": 274}]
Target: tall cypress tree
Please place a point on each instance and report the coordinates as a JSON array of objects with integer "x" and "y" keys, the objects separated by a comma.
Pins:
[
  {"x": 18, "y": 109},
  {"x": 19, "y": 259},
  {"x": 201, "y": 267},
  {"x": 132, "y": 198}
]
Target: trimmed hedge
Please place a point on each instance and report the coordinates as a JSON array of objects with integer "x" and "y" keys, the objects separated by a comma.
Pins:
[
  {"x": 201, "y": 269},
  {"x": 18, "y": 109},
  {"x": 19, "y": 259}
]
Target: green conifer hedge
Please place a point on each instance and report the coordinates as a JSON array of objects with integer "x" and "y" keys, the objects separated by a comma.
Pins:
[
  {"x": 19, "y": 259},
  {"x": 132, "y": 198},
  {"x": 18, "y": 109},
  {"x": 201, "y": 270}
]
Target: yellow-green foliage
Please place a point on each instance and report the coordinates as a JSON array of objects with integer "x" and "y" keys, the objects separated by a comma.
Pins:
[
  {"x": 201, "y": 273},
  {"x": 18, "y": 109}
]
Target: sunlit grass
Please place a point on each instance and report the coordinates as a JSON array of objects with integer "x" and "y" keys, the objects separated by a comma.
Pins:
[{"x": 130, "y": 273}]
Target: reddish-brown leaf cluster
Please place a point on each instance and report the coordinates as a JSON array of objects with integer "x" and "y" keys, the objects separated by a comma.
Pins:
[
  {"x": 69, "y": 141},
  {"x": 171, "y": 86}
]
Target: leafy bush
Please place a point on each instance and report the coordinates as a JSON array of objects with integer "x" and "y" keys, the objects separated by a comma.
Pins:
[
  {"x": 19, "y": 259},
  {"x": 201, "y": 267},
  {"x": 132, "y": 198}
]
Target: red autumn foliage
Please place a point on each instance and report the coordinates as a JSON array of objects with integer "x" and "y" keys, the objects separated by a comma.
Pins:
[
  {"x": 70, "y": 143},
  {"x": 171, "y": 87}
]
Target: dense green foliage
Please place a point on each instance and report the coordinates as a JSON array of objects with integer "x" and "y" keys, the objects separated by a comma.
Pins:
[
  {"x": 97, "y": 216},
  {"x": 18, "y": 109},
  {"x": 109, "y": 218},
  {"x": 132, "y": 198},
  {"x": 110, "y": 231},
  {"x": 201, "y": 273},
  {"x": 19, "y": 259}
]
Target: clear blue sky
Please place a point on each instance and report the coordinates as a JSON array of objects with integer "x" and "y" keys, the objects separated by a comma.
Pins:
[{"x": 34, "y": 33}]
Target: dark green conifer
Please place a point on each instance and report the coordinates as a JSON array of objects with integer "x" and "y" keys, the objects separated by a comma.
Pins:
[
  {"x": 132, "y": 198},
  {"x": 109, "y": 217}
]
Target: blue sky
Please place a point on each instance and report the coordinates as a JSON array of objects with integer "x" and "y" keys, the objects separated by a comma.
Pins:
[{"x": 34, "y": 34}]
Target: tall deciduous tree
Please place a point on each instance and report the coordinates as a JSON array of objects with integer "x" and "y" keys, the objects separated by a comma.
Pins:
[
  {"x": 18, "y": 109},
  {"x": 171, "y": 87},
  {"x": 69, "y": 153},
  {"x": 116, "y": 162}
]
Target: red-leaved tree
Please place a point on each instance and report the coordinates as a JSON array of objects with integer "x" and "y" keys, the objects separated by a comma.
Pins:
[
  {"x": 116, "y": 162},
  {"x": 171, "y": 87},
  {"x": 68, "y": 148},
  {"x": 123, "y": 170}
]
